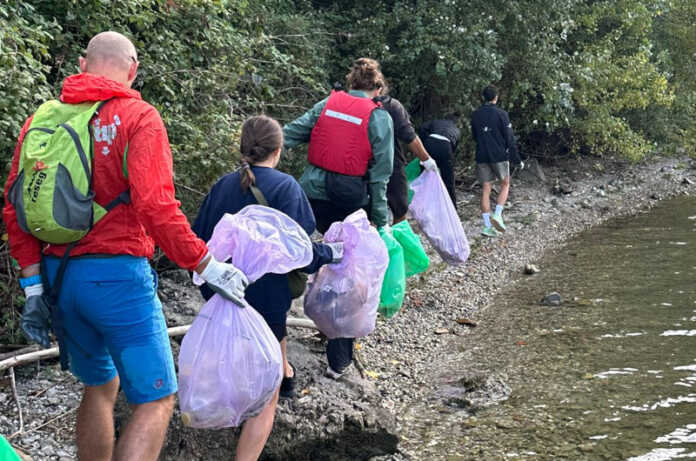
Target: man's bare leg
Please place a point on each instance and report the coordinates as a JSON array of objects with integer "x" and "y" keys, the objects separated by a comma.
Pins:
[
  {"x": 504, "y": 190},
  {"x": 145, "y": 432},
  {"x": 95, "y": 422},
  {"x": 256, "y": 431},
  {"x": 486, "y": 197}
]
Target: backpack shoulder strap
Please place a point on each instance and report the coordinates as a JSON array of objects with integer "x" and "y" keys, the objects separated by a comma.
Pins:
[{"x": 258, "y": 195}]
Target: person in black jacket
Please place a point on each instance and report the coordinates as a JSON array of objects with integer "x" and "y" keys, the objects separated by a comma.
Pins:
[
  {"x": 495, "y": 149},
  {"x": 440, "y": 138}
]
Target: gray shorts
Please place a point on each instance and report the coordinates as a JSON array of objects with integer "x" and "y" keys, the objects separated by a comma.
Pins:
[{"x": 488, "y": 172}]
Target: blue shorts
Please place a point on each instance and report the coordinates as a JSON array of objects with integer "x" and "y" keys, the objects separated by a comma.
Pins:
[{"x": 114, "y": 325}]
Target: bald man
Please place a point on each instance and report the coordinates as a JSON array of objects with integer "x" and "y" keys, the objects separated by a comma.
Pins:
[{"x": 113, "y": 330}]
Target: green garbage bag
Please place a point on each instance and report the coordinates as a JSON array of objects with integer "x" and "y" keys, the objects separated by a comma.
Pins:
[
  {"x": 415, "y": 258},
  {"x": 7, "y": 453},
  {"x": 394, "y": 286},
  {"x": 413, "y": 170}
]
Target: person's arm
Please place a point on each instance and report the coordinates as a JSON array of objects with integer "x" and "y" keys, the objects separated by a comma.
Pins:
[
  {"x": 321, "y": 254},
  {"x": 380, "y": 131},
  {"x": 416, "y": 146},
  {"x": 24, "y": 247},
  {"x": 150, "y": 176},
  {"x": 299, "y": 130},
  {"x": 509, "y": 136}
]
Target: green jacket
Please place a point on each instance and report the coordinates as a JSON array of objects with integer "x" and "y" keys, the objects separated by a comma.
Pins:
[{"x": 380, "y": 132}]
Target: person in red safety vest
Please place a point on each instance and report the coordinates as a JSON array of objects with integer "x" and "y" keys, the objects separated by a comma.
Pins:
[{"x": 351, "y": 157}]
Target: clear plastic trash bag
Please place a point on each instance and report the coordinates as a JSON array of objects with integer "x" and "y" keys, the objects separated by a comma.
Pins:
[
  {"x": 342, "y": 298},
  {"x": 432, "y": 208},
  {"x": 230, "y": 363},
  {"x": 260, "y": 240}
]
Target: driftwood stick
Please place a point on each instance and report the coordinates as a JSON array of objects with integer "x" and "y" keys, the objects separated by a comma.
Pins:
[
  {"x": 13, "y": 383},
  {"x": 22, "y": 351},
  {"x": 30, "y": 357}
]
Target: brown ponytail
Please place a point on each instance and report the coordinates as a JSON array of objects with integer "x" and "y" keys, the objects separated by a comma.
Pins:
[
  {"x": 365, "y": 74},
  {"x": 261, "y": 136}
]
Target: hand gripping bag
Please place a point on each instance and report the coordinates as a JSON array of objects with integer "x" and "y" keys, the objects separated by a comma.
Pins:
[
  {"x": 394, "y": 285},
  {"x": 415, "y": 258},
  {"x": 433, "y": 210},
  {"x": 342, "y": 298},
  {"x": 230, "y": 362}
]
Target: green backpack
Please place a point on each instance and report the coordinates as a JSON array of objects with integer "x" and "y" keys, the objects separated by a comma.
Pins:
[{"x": 53, "y": 194}]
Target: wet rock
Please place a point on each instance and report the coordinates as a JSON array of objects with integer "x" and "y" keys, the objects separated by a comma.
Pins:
[
  {"x": 530, "y": 269},
  {"x": 552, "y": 299}
]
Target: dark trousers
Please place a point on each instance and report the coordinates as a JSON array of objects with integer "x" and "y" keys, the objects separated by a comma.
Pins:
[
  {"x": 441, "y": 151},
  {"x": 339, "y": 351},
  {"x": 397, "y": 190}
]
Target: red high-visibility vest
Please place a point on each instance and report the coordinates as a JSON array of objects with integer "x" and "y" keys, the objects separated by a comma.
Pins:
[{"x": 339, "y": 140}]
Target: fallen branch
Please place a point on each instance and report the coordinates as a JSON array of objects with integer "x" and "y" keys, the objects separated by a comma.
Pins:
[
  {"x": 19, "y": 406},
  {"x": 22, "y": 351},
  {"x": 30, "y": 357}
]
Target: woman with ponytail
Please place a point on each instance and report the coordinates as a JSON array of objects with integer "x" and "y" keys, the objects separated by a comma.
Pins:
[{"x": 260, "y": 149}]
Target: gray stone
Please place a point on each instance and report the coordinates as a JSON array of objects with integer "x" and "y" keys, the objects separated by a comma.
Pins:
[{"x": 552, "y": 299}]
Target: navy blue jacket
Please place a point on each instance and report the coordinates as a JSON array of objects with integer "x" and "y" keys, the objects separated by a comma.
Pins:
[
  {"x": 270, "y": 295},
  {"x": 492, "y": 131}
]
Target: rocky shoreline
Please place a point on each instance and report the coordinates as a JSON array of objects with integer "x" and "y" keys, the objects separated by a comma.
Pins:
[{"x": 359, "y": 418}]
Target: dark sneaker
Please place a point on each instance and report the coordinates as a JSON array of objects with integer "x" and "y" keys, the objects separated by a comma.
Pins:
[{"x": 287, "y": 385}]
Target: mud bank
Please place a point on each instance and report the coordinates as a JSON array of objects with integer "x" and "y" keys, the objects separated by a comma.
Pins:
[{"x": 358, "y": 418}]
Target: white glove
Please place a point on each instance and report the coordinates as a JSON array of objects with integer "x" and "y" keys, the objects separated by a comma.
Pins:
[
  {"x": 429, "y": 164},
  {"x": 336, "y": 251},
  {"x": 521, "y": 165},
  {"x": 226, "y": 280},
  {"x": 33, "y": 290}
]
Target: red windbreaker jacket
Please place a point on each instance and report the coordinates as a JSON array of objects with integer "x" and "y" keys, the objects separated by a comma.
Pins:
[{"x": 153, "y": 215}]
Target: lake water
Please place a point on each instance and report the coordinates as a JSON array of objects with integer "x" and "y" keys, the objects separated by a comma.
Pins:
[{"x": 610, "y": 374}]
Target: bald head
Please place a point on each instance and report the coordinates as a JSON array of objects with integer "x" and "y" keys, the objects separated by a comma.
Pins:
[{"x": 112, "y": 55}]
